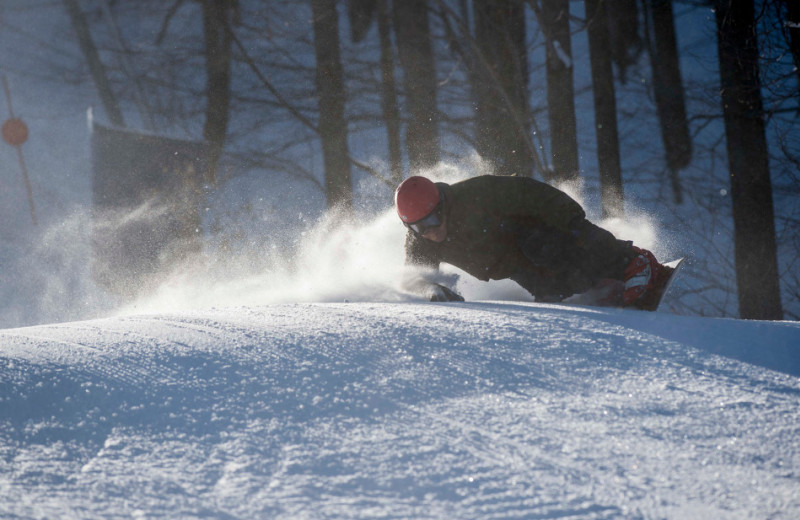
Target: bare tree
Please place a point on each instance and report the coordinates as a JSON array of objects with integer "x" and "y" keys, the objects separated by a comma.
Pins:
[
  {"x": 554, "y": 19},
  {"x": 502, "y": 118},
  {"x": 414, "y": 47},
  {"x": 751, "y": 188},
  {"x": 605, "y": 109},
  {"x": 331, "y": 93},
  {"x": 217, "y": 31},
  {"x": 623, "y": 24},
  {"x": 362, "y": 13},
  {"x": 96, "y": 67},
  {"x": 792, "y": 25},
  {"x": 391, "y": 113},
  {"x": 668, "y": 89}
]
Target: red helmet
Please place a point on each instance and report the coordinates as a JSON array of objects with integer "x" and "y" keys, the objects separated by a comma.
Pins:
[{"x": 415, "y": 198}]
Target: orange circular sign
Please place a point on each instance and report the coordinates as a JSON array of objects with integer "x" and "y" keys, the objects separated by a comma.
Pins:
[{"x": 15, "y": 132}]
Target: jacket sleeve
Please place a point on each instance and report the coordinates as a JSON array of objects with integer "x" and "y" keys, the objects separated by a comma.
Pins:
[{"x": 420, "y": 253}]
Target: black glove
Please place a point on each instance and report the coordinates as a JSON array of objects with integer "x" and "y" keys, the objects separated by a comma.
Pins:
[{"x": 440, "y": 293}]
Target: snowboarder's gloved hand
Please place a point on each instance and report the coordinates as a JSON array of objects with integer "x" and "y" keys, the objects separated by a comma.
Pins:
[{"x": 440, "y": 293}]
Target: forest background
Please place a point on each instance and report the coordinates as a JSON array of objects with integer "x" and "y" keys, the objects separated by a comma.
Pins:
[{"x": 677, "y": 119}]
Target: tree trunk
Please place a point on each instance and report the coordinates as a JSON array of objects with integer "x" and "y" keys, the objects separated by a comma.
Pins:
[
  {"x": 502, "y": 121},
  {"x": 330, "y": 89},
  {"x": 605, "y": 110},
  {"x": 793, "y": 28},
  {"x": 419, "y": 79},
  {"x": 361, "y": 15},
  {"x": 218, "y": 40},
  {"x": 668, "y": 91},
  {"x": 751, "y": 188},
  {"x": 96, "y": 67},
  {"x": 623, "y": 24},
  {"x": 554, "y": 19},
  {"x": 391, "y": 114}
]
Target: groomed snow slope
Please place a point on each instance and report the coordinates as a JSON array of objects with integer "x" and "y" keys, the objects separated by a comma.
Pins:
[{"x": 401, "y": 410}]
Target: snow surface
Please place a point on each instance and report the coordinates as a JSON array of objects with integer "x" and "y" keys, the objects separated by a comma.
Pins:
[{"x": 401, "y": 410}]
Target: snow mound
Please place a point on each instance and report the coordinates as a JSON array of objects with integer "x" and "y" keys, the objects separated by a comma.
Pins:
[{"x": 401, "y": 410}]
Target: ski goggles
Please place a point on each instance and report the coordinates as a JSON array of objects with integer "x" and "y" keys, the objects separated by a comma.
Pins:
[{"x": 423, "y": 225}]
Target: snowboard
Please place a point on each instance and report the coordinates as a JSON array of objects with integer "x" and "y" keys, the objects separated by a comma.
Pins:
[{"x": 676, "y": 265}]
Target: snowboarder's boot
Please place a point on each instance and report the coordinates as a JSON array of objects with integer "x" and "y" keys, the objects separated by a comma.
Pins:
[{"x": 645, "y": 280}]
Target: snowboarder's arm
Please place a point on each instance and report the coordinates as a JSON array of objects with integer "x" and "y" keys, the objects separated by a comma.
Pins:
[
  {"x": 420, "y": 252},
  {"x": 421, "y": 256}
]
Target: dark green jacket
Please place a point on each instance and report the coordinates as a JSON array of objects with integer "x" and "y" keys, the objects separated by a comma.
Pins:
[{"x": 487, "y": 218}]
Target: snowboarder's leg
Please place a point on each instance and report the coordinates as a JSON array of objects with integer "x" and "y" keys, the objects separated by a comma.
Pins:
[
  {"x": 602, "y": 255},
  {"x": 607, "y": 258},
  {"x": 545, "y": 287}
]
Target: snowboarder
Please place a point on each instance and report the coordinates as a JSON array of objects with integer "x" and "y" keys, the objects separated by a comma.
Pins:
[{"x": 496, "y": 227}]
